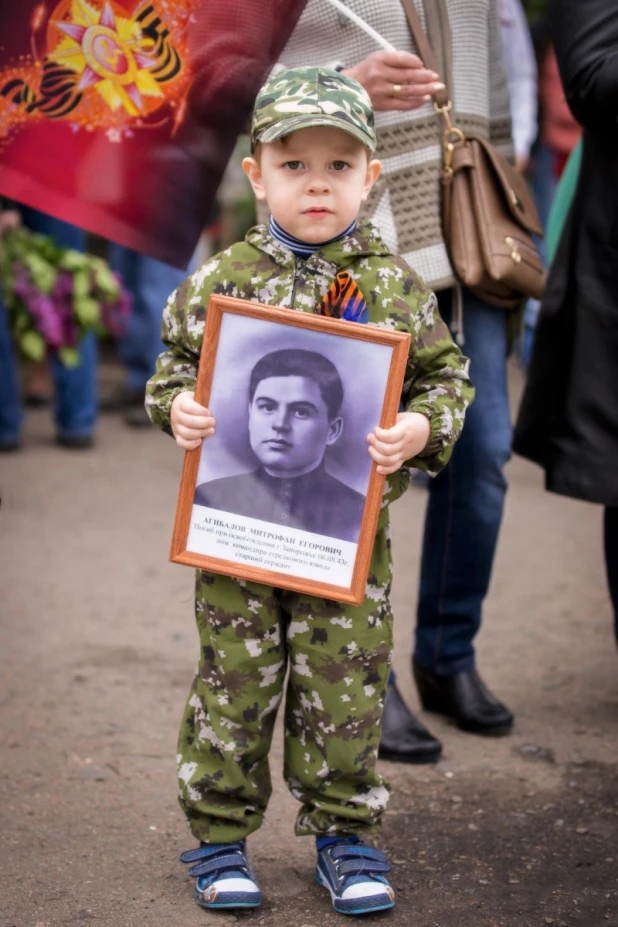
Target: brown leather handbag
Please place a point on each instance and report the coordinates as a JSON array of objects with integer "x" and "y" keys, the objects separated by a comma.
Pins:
[{"x": 488, "y": 213}]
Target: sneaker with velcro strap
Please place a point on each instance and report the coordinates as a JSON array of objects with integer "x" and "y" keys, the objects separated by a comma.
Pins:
[
  {"x": 355, "y": 876},
  {"x": 224, "y": 878}
]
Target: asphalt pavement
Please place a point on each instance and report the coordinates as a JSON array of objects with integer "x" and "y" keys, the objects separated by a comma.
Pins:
[{"x": 98, "y": 647}]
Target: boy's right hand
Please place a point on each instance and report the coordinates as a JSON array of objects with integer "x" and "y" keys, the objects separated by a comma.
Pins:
[{"x": 191, "y": 422}]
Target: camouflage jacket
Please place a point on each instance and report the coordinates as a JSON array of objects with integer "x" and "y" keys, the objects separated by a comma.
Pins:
[{"x": 263, "y": 270}]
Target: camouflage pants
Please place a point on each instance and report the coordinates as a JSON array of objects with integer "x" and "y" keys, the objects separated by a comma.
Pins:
[{"x": 338, "y": 657}]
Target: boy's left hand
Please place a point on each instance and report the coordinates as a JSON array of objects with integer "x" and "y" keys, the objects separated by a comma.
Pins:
[{"x": 390, "y": 447}]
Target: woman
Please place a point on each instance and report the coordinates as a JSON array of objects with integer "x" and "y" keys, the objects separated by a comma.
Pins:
[
  {"x": 569, "y": 416},
  {"x": 466, "y": 500}
]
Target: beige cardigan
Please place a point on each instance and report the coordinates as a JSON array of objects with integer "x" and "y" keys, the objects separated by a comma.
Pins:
[{"x": 405, "y": 203}]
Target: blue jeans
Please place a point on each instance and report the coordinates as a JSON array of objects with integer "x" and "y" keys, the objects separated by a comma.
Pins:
[
  {"x": 466, "y": 501},
  {"x": 150, "y": 283},
  {"x": 543, "y": 186},
  {"x": 75, "y": 394}
]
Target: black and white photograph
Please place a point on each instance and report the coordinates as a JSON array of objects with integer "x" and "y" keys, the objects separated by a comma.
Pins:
[
  {"x": 285, "y": 491},
  {"x": 294, "y": 416},
  {"x": 290, "y": 444}
]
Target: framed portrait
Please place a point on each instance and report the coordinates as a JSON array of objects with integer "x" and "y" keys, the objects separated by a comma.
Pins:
[{"x": 285, "y": 492}]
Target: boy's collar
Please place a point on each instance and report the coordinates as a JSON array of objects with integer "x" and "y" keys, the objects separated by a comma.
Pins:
[
  {"x": 303, "y": 249},
  {"x": 365, "y": 241}
]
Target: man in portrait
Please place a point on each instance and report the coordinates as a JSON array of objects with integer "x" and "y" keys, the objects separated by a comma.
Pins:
[{"x": 295, "y": 399}]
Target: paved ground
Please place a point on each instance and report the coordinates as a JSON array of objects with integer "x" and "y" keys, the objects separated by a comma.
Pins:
[{"x": 97, "y": 652}]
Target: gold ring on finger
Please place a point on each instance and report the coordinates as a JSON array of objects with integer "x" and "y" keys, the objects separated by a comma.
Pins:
[{"x": 396, "y": 90}]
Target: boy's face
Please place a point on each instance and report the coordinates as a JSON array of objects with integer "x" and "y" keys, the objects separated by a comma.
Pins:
[
  {"x": 313, "y": 181},
  {"x": 289, "y": 428}
]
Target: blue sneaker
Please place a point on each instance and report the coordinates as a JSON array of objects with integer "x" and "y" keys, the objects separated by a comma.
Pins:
[
  {"x": 354, "y": 876},
  {"x": 224, "y": 878}
]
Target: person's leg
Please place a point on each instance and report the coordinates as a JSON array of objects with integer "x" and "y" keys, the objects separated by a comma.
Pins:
[
  {"x": 339, "y": 666},
  {"x": 465, "y": 504},
  {"x": 150, "y": 282},
  {"x": 403, "y": 739},
  {"x": 226, "y": 734},
  {"x": 10, "y": 402},
  {"x": 531, "y": 316},
  {"x": 611, "y": 559},
  {"x": 228, "y": 722},
  {"x": 75, "y": 400},
  {"x": 543, "y": 185}
]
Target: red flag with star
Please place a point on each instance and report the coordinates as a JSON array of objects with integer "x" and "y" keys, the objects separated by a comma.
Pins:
[{"x": 120, "y": 115}]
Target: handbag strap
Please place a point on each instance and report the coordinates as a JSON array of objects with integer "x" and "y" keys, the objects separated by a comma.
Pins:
[
  {"x": 424, "y": 48},
  {"x": 441, "y": 99}
]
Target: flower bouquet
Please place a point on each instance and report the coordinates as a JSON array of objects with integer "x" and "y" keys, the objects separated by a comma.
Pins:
[{"x": 54, "y": 295}]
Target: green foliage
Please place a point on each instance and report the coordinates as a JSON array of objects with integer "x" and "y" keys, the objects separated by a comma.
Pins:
[
  {"x": 104, "y": 279},
  {"x": 69, "y": 356},
  {"x": 87, "y": 311},
  {"x": 43, "y": 273},
  {"x": 54, "y": 295},
  {"x": 32, "y": 344}
]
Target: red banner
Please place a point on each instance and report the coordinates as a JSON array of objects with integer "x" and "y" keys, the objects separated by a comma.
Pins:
[{"x": 120, "y": 116}]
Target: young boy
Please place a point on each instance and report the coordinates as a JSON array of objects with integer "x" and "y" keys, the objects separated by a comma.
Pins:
[{"x": 312, "y": 143}]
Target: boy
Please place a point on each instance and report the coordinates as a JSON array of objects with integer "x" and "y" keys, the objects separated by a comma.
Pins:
[{"x": 312, "y": 143}]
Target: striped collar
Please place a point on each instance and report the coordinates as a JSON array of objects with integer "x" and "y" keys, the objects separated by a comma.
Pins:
[{"x": 303, "y": 249}]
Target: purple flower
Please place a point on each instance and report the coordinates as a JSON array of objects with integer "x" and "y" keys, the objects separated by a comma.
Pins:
[
  {"x": 47, "y": 319},
  {"x": 53, "y": 315},
  {"x": 38, "y": 305},
  {"x": 62, "y": 296},
  {"x": 115, "y": 315}
]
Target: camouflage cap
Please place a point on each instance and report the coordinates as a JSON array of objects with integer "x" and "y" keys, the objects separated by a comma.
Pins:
[{"x": 299, "y": 98}]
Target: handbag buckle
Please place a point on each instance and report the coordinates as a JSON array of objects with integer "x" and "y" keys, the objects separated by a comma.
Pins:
[
  {"x": 515, "y": 200},
  {"x": 452, "y": 135},
  {"x": 515, "y": 254}
]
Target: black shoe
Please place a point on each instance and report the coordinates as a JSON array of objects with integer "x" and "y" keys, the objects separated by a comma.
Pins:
[
  {"x": 37, "y": 400},
  {"x": 75, "y": 442},
  {"x": 403, "y": 738},
  {"x": 121, "y": 398},
  {"x": 137, "y": 417},
  {"x": 464, "y": 697},
  {"x": 9, "y": 446}
]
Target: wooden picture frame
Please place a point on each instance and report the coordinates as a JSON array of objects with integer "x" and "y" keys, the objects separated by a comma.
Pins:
[{"x": 288, "y": 545}]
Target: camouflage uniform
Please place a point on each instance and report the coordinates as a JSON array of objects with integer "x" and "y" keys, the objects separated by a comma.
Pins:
[{"x": 338, "y": 655}]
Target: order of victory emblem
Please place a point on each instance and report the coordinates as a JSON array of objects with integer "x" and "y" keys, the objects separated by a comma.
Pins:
[{"x": 99, "y": 65}]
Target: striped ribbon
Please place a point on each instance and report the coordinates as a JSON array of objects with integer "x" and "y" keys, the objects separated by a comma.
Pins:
[{"x": 344, "y": 300}]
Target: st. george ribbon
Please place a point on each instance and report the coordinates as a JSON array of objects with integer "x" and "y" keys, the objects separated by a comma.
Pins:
[{"x": 120, "y": 115}]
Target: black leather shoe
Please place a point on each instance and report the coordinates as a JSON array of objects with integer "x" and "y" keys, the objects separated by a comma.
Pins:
[
  {"x": 37, "y": 400},
  {"x": 137, "y": 417},
  {"x": 403, "y": 738},
  {"x": 464, "y": 697},
  {"x": 121, "y": 398},
  {"x": 7, "y": 447},
  {"x": 75, "y": 442}
]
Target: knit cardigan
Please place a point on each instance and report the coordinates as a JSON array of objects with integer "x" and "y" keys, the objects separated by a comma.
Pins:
[{"x": 405, "y": 202}]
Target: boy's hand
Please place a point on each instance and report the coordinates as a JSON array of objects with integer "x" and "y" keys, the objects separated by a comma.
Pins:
[
  {"x": 390, "y": 447},
  {"x": 191, "y": 422}
]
